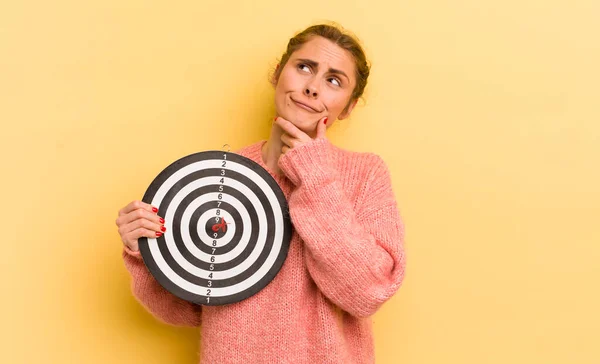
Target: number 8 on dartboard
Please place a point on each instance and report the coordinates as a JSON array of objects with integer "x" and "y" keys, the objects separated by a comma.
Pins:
[{"x": 228, "y": 228}]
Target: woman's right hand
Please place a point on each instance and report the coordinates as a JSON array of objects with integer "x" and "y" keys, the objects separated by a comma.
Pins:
[{"x": 139, "y": 219}]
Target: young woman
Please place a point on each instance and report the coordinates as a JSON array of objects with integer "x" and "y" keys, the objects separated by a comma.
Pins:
[{"x": 346, "y": 256}]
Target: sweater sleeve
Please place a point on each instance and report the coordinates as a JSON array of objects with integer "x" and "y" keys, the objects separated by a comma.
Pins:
[
  {"x": 356, "y": 258},
  {"x": 164, "y": 305}
]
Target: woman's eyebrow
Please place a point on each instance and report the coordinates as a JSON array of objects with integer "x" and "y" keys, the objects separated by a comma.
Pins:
[{"x": 314, "y": 64}]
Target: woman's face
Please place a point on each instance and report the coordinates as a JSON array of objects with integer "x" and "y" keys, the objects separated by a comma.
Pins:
[{"x": 317, "y": 81}]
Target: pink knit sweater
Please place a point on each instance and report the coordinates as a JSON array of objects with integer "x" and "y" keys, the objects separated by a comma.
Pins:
[{"x": 346, "y": 258}]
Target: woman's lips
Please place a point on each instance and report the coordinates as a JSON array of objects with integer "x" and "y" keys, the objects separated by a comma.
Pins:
[{"x": 304, "y": 106}]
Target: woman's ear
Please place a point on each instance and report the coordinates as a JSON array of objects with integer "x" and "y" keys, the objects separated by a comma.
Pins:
[
  {"x": 346, "y": 113},
  {"x": 275, "y": 76}
]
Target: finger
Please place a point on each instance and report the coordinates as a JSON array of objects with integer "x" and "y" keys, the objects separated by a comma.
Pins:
[
  {"x": 131, "y": 239},
  {"x": 322, "y": 128},
  {"x": 290, "y": 128},
  {"x": 139, "y": 214},
  {"x": 134, "y": 205},
  {"x": 287, "y": 140},
  {"x": 284, "y": 149},
  {"x": 141, "y": 223}
]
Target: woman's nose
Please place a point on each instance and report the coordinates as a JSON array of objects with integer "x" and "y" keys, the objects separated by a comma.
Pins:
[{"x": 311, "y": 91}]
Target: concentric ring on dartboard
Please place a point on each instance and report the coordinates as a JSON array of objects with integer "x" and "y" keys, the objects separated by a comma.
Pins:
[
  {"x": 217, "y": 224},
  {"x": 195, "y": 230},
  {"x": 246, "y": 250},
  {"x": 199, "y": 259},
  {"x": 214, "y": 224},
  {"x": 192, "y": 267},
  {"x": 174, "y": 258},
  {"x": 206, "y": 219}
]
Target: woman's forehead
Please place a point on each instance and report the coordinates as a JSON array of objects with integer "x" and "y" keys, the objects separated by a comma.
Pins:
[{"x": 326, "y": 53}]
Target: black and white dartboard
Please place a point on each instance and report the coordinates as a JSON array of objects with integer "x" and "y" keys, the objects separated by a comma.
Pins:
[{"x": 228, "y": 228}]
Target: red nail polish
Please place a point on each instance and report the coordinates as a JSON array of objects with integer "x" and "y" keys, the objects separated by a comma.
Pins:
[
  {"x": 163, "y": 228},
  {"x": 162, "y": 221},
  {"x": 158, "y": 233},
  {"x": 154, "y": 209},
  {"x": 275, "y": 118},
  {"x": 325, "y": 121}
]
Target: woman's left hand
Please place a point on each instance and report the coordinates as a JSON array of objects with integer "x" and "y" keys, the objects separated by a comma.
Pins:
[{"x": 292, "y": 137}]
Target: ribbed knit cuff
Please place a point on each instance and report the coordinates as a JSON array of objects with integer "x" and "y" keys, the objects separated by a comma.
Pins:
[{"x": 309, "y": 164}]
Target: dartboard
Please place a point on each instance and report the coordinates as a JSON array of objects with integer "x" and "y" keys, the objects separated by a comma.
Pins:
[{"x": 228, "y": 228}]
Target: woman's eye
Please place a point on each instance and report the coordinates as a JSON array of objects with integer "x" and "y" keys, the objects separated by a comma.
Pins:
[
  {"x": 301, "y": 66},
  {"x": 336, "y": 82}
]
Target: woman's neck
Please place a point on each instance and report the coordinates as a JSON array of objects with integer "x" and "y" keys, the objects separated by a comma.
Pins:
[{"x": 271, "y": 150}]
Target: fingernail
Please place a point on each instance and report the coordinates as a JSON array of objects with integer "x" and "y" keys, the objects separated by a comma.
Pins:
[
  {"x": 154, "y": 209},
  {"x": 162, "y": 221},
  {"x": 275, "y": 118},
  {"x": 325, "y": 121},
  {"x": 163, "y": 228},
  {"x": 158, "y": 233}
]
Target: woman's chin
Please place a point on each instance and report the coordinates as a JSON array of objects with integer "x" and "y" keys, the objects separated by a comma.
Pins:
[
  {"x": 307, "y": 127},
  {"x": 303, "y": 121}
]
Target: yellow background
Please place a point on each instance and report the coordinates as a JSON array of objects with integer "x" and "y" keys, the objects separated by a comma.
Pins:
[{"x": 486, "y": 113}]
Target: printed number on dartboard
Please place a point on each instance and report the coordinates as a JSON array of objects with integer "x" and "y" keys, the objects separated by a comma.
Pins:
[{"x": 217, "y": 220}]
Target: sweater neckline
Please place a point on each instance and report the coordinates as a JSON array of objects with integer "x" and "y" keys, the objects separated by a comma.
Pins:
[{"x": 255, "y": 154}]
